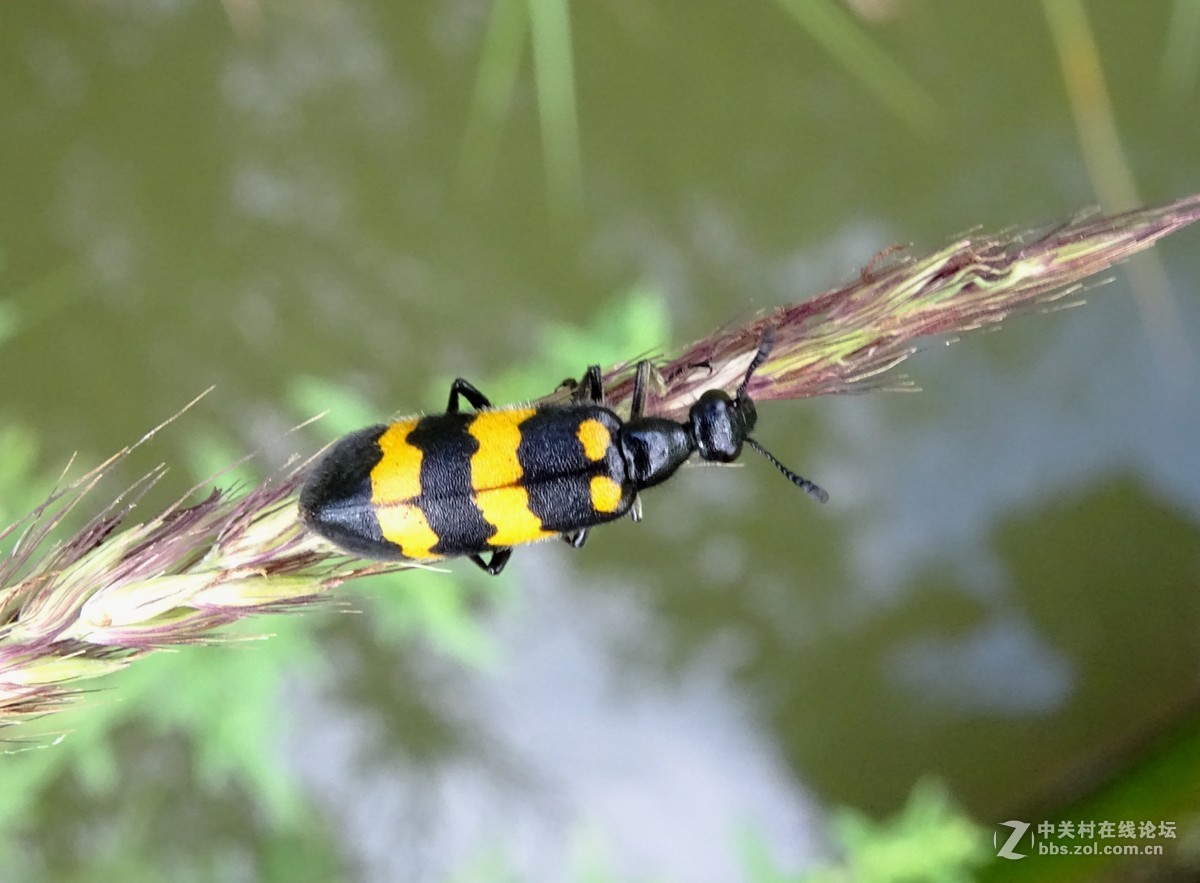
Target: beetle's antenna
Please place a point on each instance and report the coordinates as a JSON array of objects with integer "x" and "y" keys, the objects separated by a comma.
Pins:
[
  {"x": 814, "y": 491},
  {"x": 765, "y": 345}
]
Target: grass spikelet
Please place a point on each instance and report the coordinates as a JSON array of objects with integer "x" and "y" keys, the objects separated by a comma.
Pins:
[
  {"x": 111, "y": 593},
  {"x": 845, "y": 339},
  {"x": 74, "y": 609}
]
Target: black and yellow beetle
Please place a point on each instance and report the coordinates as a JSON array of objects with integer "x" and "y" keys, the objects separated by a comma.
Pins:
[{"x": 445, "y": 485}]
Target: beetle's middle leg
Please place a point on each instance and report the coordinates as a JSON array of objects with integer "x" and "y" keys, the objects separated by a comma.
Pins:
[
  {"x": 589, "y": 389},
  {"x": 495, "y": 564}
]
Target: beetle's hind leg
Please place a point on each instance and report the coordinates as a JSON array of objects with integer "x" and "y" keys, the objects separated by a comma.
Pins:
[
  {"x": 576, "y": 538},
  {"x": 495, "y": 564},
  {"x": 462, "y": 388}
]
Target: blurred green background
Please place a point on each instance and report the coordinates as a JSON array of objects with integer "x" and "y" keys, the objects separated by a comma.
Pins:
[{"x": 330, "y": 206}]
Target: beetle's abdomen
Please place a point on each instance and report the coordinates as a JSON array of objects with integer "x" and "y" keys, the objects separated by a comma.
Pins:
[
  {"x": 454, "y": 484},
  {"x": 337, "y": 500}
]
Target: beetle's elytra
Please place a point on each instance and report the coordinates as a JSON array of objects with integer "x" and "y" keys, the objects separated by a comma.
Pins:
[{"x": 469, "y": 483}]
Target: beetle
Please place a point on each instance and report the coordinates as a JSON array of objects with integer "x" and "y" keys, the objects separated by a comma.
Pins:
[{"x": 469, "y": 483}]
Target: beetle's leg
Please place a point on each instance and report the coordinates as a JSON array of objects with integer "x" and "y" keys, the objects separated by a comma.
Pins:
[
  {"x": 640, "y": 379},
  {"x": 462, "y": 388},
  {"x": 589, "y": 388},
  {"x": 635, "y": 510},
  {"x": 495, "y": 564},
  {"x": 576, "y": 538}
]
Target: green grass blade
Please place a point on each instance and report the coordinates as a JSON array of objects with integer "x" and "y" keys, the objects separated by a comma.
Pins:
[
  {"x": 830, "y": 25},
  {"x": 555, "y": 73},
  {"x": 495, "y": 85}
]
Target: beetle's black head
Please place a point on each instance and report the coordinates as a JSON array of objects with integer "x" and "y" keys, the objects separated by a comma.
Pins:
[{"x": 719, "y": 424}]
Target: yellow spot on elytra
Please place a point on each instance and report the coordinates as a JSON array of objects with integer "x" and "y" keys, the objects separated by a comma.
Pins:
[
  {"x": 395, "y": 484},
  {"x": 404, "y": 524},
  {"x": 495, "y": 464},
  {"x": 396, "y": 478},
  {"x": 595, "y": 438},
  {"x": 507, "y": 510},
  {"x": 606, "y": 494}
]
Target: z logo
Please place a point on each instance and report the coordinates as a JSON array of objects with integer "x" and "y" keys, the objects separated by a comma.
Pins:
[{"x": 1019, "y": 829}]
